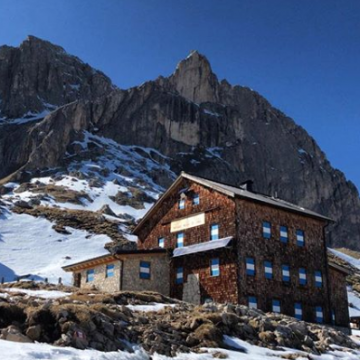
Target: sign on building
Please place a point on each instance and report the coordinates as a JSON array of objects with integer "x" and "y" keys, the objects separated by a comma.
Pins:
[{"x": 186, "y": 223}]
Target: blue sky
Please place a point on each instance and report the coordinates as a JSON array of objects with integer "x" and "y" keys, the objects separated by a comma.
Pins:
[{"x": 302, "y": 55}]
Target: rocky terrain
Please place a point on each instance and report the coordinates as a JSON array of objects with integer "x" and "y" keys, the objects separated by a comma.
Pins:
[
  {"x": 110, "y": 322},
  {"x": 190, "y": 120}
]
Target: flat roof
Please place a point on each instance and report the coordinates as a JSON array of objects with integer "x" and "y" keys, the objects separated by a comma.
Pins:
[{"x": 202, "y": 247}]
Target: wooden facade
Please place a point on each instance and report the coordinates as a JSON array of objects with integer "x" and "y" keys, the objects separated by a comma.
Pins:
[{"x": 193, "y": 206}]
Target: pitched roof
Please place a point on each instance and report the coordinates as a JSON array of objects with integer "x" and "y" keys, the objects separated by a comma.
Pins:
[
  {"x": 111, "y": 257},
  {"x": 231, "y": 191}
]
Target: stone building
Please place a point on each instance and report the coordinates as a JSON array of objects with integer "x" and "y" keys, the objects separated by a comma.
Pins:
[
  {"x": 217, "y": 242},
  {"x": 126, "y": 270}
]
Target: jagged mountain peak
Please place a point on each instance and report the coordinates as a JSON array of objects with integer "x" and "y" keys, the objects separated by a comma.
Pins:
[
  {"x": 38, "y": 77},
  {"x": 205, "y": 127},
  {"x": 195, "y": 80},
  {"x": 32, "y": 40},
  {"x": 48, "y": 48}
]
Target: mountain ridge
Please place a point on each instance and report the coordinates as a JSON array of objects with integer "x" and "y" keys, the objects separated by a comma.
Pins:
[{"x": 204, "y": 126}]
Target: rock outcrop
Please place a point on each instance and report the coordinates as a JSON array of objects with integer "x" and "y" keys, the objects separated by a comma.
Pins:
[
  {"x": 38, "y": 77},
  {"x": 202, "y": 125},
  {"x": 110, "y": 322}
]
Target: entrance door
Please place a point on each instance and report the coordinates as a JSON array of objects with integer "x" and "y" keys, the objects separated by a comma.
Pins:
[
  {"x": 191, "y": 290},
  {"x": 77, "y": 280}
]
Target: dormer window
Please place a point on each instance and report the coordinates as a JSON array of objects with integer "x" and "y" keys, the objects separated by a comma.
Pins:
[{"x": 196, "y": 199}]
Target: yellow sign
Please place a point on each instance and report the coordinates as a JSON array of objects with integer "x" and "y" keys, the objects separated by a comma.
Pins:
[{"x": 186, "y": 223}]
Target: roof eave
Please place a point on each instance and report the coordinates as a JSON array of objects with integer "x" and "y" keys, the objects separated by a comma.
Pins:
[{"x": 183, "y": 175}]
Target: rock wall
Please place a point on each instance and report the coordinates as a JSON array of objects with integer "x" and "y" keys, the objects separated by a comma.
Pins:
[
  {"x": 205, "y": 126},
  {"x": 38, "y": 76}
]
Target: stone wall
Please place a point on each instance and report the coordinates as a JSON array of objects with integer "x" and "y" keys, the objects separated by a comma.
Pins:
[
  {"x": 101, "y": 282},
  {"x": 339, "y": 299},
  {"x": 312, "y": 257},
  {"x": 159, "y": 274}
]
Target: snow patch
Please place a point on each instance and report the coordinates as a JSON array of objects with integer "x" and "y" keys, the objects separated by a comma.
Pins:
[{"x": 30, "y": 246}]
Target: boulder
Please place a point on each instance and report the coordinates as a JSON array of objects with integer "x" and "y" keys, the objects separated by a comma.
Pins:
[
  {"x": 13, "y": 333},
  {"x": 23, "y": 204},
  {"x": 34, "y": 332}
]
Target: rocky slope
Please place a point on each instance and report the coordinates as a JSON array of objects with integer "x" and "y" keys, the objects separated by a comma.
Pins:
[
  {"x": 110, "y": 322},
  {"x": 195, "y": 122}
]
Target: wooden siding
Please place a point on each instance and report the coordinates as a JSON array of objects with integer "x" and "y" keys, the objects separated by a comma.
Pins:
[{"x": 312, "y": 257}]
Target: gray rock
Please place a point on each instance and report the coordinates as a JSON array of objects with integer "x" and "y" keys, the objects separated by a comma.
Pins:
[
  {"x": 23, "y": 204},
  {"x": 182, "y": 116},
  {"x": 34, "y": 332}
]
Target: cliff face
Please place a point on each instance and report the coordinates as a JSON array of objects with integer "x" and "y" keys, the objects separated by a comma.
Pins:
[
  {"x": 39, "y": 76},
  {"x": 206, "y": 127}
]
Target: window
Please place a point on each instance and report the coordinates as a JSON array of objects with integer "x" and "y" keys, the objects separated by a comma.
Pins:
[
  {"x": 250, "y": 266},
  {"x": 180, "y": 240},
  {"x": 319, "y": 315},
  {"x": 252, "y": 302},
  {"x": 144, "y": 270},
  {"x": 214, "y": 232},
  {"x": 266, "y": 230},
  {"x": 298, "y": 311},
  {"x": 196, "y": 199},
  {"x": 161, "y": 242},
  {"x": 268, "y": 269},
  {"x": 333, "y": 317},
  {"x": 318, "y": 279},
  {"x": 284, "y": 235},
  {"x": 181, "y": 204},
  {"x": 285, "y": 269},
  {"x": 90, "y": 275},
  {"x": 300, "y": 238},
  {"x": 214, "y": 267},
  {"x": 110, "y": 270},
  {"x": 302, "y": 276},
  {"x": 179, "y": 275},
  {"x": 276, "y": 306}
]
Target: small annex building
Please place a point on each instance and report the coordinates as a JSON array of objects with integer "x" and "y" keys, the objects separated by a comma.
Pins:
[{"x": 204, "y": 240}]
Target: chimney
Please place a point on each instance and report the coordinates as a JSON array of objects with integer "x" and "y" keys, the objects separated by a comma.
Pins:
[{"x": 247, "y": 185}]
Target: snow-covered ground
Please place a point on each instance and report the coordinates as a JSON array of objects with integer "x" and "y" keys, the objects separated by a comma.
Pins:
[
  {"x": 354, "y": 303},
  {"x": 25, "y": 351},
  {"x": 152, "y": 307},
  {"x": 44, "y": 294},
  {"x": 30, "y": 245}
]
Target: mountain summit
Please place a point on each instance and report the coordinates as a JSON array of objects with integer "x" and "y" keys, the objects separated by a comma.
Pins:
[
  {"x": 194, "y": 80},
  {"x": 37, "y": 77},
  {"x": 190, "y": 120}
]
